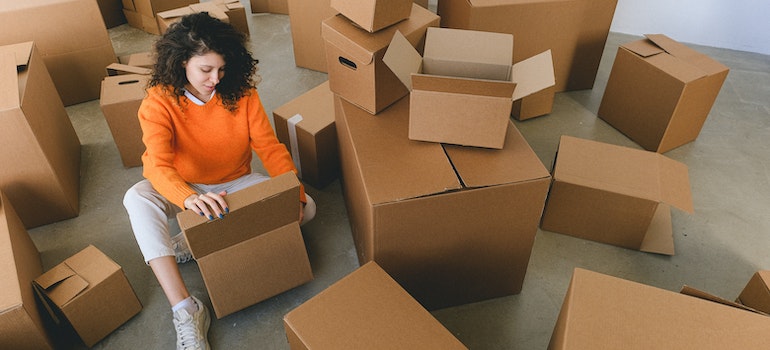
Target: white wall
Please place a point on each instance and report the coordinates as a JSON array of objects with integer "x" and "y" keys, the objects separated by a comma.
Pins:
[{"x": 733, "y": 24}]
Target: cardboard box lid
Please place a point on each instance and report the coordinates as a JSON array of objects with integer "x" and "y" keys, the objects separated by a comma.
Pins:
[
  {"x": 317, "y": 102},
  {"x": 687, "y": 290},
  {"x": 468, "y": 53},
  {"x": 681, "y": 51},
  {"x": 13, "y": 59},
  {"x": 674, "y": 58},
  {"x": 533, "y": 74},
  {"x": 121, "y": 88},
  {"x": 637, "y": 173},
  {"x": 119, "y": 68}
]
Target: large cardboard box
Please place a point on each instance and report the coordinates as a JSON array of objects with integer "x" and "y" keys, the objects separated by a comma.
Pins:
[
  {"x": 660, "y": 92},
  {"x": 37, "y": 137},
  {"x": 354, "y": 58},
  {"x": 306, "y": 126},
  {"x": 21, "y": 324},
  {"x": 605, "y": 312},
  {"x": 76, "y": 60},
  {"x": 121, "y": 96},
  {"x": 141, "y": 13},
  {"x": 616, "y": 195},
  {"x": 270, "y": 6},
  {"x": 366, "y": 309},
  {"x": 89, "y": 292},
  {"x": 256, "y": 251},
  {"x": 756, "y": 294},
  {"x": 373, "y": 15},
  {"x": 112, "y": 12},
  {"x": 574, "y": 30},
  {"x": 451, "y": 224}
]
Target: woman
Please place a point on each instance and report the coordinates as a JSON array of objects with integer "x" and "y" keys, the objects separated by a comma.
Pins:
[{"x": 200, "y": 120}]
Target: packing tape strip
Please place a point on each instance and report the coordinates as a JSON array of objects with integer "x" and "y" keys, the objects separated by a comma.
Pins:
[{"x": 292, "y": 124}]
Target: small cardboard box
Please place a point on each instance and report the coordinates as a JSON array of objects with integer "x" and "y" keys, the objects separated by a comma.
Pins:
[
  {"x": 236, "y": 14},
  {"x": 616, "y": 195},
  {"x": 89, "y": 292},
  {"x": 660, "y": 92},
  {"x": 141, "y": 13},
  {"x": 354, "y": 58},
  {"x": 306, "y": 126},
  {"x": 225, "y": 11},
  {"x": 373, "y": 15},
  {"x": 256, "y": 251},
  {"x": 38, "y": 139},
  {"x": 451, "y": 224},
  {"x": 140, "y": 59},
  {"x": 21, "y": 326},
  {"x": 756, "y": 294},
  {"x": 120, "y": 99},
  {"x": 604, "y": 312},
  {"x": 366, "y": 309},
  {"x": 280, "y": 7}
]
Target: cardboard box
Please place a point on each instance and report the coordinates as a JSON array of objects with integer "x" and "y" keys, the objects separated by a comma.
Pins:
[
  {"x": 112, "y": 12},
  {"x": 366, "y": 309},
  {"x": 354, "y": 58},
  {"x": 89, "y": 292},
  {"x": 451, "y": 224},
  {"x": 574, "y": 30},
  {"x": 139, "y": 59},
  {"x": 604, "y": 312},
  {"x": 660, "y": 92},
  {"x": 141, "y": 13},
  {"x": 756, "y": 294},
  {"x": 21, "y": 326},
  {"x": 373, "y": 15},
  {"x": 270, "y": 6},
  {"x": 616, "y": 195},
  {"x": 165, "y": 18},
  {"x": 76, "y": 60},
  {"x": 236, "y": 14},
  {"x": 38, "y": 139},
  {"x": 537, "y": 104},
  {"x": 256, "y": 251},
  {"x": 306, "y": 126},
  {"x": 121, "y": 96}
]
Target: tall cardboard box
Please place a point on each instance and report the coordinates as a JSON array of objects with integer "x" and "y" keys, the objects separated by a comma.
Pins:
[
  {"x": 21, "y": 325},
  {"x": 616, "y": 195},
  {"x": 366, "y": 309},
  {"x": 605, "y": 312},
  {"x": 270, "y": 6},
  {"x": 306, "y": 126},
  {"x": 354, "y": 58},
  {"x": 121, "y": 96},
  {"x": 373, "y": 15},
  {"x": 451, "y": 224},
  {"x": 756, "y": 294},
  {"x": 660, "y": 92},
  {"x": 37, "y": 137},
  {"x": 256, "y": 251},
  {"x": 89, "y": 292}
]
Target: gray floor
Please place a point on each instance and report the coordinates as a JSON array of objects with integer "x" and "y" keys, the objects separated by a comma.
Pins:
[{"x": 718, "y": 247}]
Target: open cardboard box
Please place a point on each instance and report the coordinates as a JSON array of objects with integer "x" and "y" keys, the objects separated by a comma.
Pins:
[
  {"x": 463, "y": 87},
  {"x": 122, "y": 93},
  {"x": 141, "y": 13},
  {"x": 373, "y": 15},
  {"x": 229, "y": 11},
  {"x": 756, "y": 294}
]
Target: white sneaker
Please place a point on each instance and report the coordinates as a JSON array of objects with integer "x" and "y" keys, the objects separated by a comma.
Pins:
[
  {"x": 181, "y": 249},
  {"x": 191, "y": 330}
]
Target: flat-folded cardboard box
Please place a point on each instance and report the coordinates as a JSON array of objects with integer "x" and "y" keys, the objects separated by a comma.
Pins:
[
  {"x": 451, "y": 224},
  {"x": 463, "y": 88},
  {"x": 605, "y": 312},
  {"x": 756, "y": 294},
  {"x": 660, "y": 92},
  {"x": 256, "y": 251},
  {"x": 76, "y": 60},
  {"x": 306, "y": 126},
  {"x": 366, "y": 309},
  {"x": 280, "y": 7},
  {"x": 21, "y": 324},
  {"x": 616, "y": 195},
  {"x": 89, "y": 292},
  {"x": 141, "y": 13},
  {"x": 120, "y": 99},
  {"x": 574, "y": 30},
  {"x": 230, "y": 11},
  {"x": 354, "y": 58},
  {"x": 373, "y": 15},
  {"x": 38, "y": 139}
]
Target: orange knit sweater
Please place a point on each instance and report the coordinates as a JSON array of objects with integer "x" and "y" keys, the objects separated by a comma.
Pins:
[{"x": 205, "y": 144}]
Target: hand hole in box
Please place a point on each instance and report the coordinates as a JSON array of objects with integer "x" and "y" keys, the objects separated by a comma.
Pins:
[
  {"x": 347, "y": 63},
  {"x": 128, "y": 82}
]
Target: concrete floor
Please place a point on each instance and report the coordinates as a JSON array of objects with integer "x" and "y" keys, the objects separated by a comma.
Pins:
[{"x": 718, "y": 248}]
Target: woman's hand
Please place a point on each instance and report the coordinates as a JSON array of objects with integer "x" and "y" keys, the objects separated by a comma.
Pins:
[{"x": 209, "y": 204}]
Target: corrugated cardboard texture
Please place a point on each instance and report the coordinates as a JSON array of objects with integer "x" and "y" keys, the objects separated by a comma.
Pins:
[
  {"x": 373, "y": 15},
  {"x": 270, "y": 6},
  {"x": 120, "y": 99},
  {"x": 469, "y": 54},
  {"x": 366, "y": 309},
  {"x": 604, "y": 312},
  {"x": 756, "y": 294}
]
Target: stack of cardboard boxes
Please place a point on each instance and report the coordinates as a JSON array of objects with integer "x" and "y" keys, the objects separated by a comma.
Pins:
[
  {"x": 141, "y": 13},
  {"x": 230, "y": 11}
]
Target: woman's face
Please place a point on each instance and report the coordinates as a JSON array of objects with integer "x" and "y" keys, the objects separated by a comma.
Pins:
[{"x": 204, "y": 73}]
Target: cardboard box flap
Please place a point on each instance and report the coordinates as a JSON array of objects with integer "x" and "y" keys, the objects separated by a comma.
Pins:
[
  {"x": 9, "y": 86},
  {"x": 213, "y": 10},
  {"x": 683, "y": 52},
  {"x": 119, "y": 68},
  {"x": 175, "y": 13},
  {"x": 643, "y": 48},
  {"x": 674, "y": 65},
  {"x": 61, "y": 284},
  {"x": 697, "y": 293},
  {"x": 659, "y": 238},
  {"x": 466, "y": 86},
  {"x": 533, "y": 74},
  {"x": 675, "y": 184},
  {"x": 22, "y": 53},
  {"x": 468, "y": 53},
  {"x": 403, "y": 59}
]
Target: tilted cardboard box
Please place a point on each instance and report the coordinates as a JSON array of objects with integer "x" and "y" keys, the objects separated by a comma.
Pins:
[
  {"x": 270, "y": 6},
  {"x": 616, "y": 195},
  {"x": 121, "y": 96},
  {"x": 366, "y": 309},
  {"x": 38, "y": 139},
  {"x": 256, "y": 251},
  {"x": 756, "y": 294},
  {"x": 373, "y": 15},
  {"x": 660, "y": 92},
  {"x": 451, "y": 224}
]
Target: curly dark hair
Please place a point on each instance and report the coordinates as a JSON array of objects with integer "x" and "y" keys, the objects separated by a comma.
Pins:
[{"x": 198, "y": 34}]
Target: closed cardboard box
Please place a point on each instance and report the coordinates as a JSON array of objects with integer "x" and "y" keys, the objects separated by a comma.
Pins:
[
  {"x": 306, "y": 126},
  {"x": 120, "y": 99},
  {"x": 38, "y": 139},
  {"x": 354, "y": 58},
  {"x": 21, "y": 326},
  {"x": 605, "y": 312},
  {"x": 89, "y": 292},
  {"x": 256, "y": 251},
  {"x": 451, "y": 224},
  {"x": 756, "y": 294},
  {"x": 616, "y": 195},
  {"x": 76, "y": 60},
  {"x": 373, "y": 15},
  {"x": 660, "y": 92},
  {"x": 270, "y": 6},
  {"x": 366, "y": 309}
]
